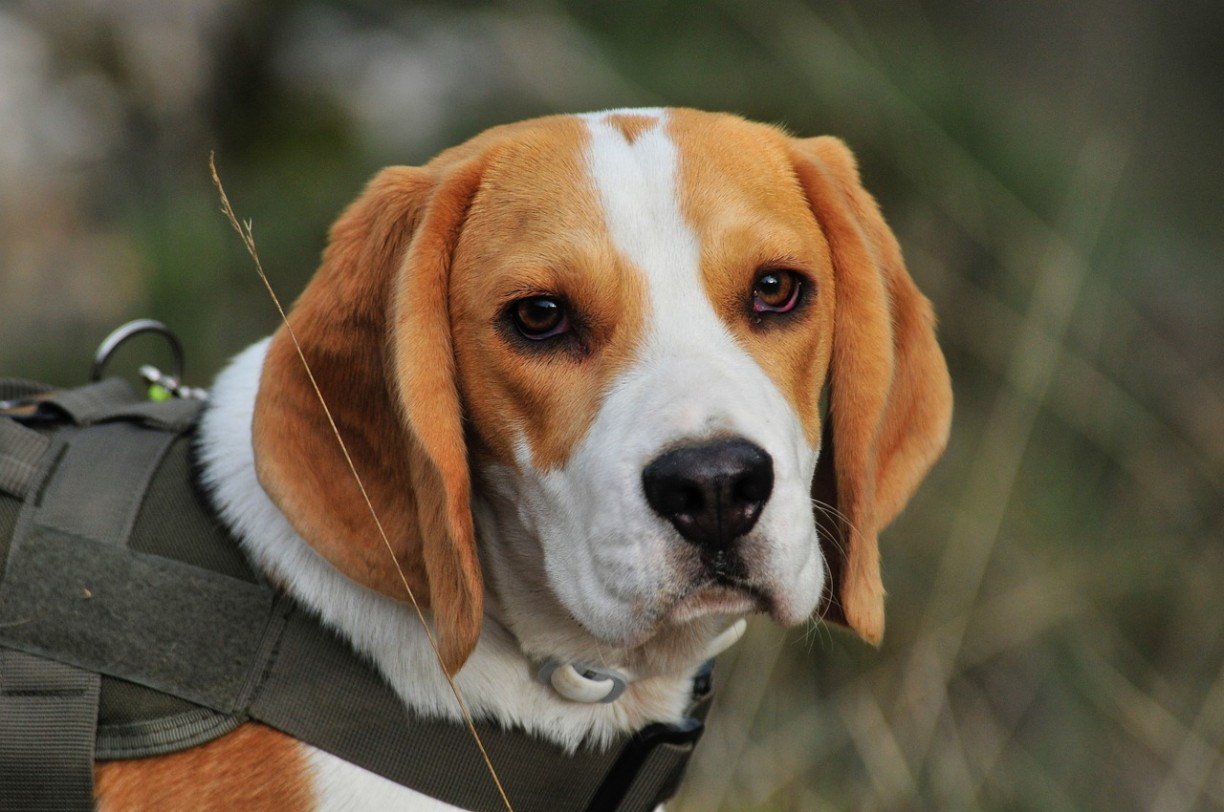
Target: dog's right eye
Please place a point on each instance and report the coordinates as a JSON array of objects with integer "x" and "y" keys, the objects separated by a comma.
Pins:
[{"x": 540, "y": 317}]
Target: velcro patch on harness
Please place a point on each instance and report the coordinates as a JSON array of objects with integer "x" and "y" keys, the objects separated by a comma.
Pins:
[{"x": 151, "y": 620}]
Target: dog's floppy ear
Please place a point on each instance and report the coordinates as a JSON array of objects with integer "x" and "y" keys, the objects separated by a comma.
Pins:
[
  {"x": 890, "y": 397},
  {"x": 374, "y": 326}
]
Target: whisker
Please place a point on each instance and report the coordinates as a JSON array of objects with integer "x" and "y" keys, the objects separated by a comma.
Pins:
[{"x": 831, "y": 511}]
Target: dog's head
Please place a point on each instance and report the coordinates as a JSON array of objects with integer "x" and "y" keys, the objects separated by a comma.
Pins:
[{"x": 616, "y": 330}]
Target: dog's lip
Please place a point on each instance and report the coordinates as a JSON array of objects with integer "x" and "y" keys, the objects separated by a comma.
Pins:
[{"x": 718, "y": 598}]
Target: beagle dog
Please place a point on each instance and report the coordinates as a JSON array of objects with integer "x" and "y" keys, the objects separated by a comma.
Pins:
[{"x": 579, "y": 364}]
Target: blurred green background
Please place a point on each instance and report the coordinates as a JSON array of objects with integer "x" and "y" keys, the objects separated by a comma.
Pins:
[{"x": 1054, "y": 172}]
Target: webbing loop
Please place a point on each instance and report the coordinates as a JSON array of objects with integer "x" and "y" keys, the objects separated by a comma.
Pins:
[
  {"x": 20, "y": 451},
  {"x": 48, "y": 711}
]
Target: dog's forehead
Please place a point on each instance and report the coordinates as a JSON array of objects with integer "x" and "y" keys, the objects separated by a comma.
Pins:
[
  {"x": 735, "y": 170},
  {"x": 536, "y": 181},
  {"x": 562, "y": 174}
]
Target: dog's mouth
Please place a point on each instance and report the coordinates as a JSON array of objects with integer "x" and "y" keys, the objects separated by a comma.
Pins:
[
  {"x": 720, "y": 585},
  {"x": 718, "y": 596}
]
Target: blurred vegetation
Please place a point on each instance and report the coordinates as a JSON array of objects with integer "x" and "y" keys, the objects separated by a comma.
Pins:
[{"x": 1056, "y": 612}]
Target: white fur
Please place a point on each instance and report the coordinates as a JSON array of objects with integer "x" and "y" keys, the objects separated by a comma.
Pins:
[{"x": 343, "y": 787}]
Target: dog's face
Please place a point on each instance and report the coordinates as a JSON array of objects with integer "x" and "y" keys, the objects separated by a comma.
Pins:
[
  {"x": 618, "y": 327},
  {"x": 642, "y": 331}
]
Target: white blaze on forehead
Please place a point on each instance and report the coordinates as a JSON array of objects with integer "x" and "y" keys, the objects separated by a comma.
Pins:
[
  {"x": 687, "y": 346},
  {"x": 636, "y": 181},
  {"x": 639, "y": 191}
]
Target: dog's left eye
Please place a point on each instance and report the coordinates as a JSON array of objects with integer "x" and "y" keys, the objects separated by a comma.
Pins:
[
  {"x": 540, "y": 317},
  {"x": 776, "y": 292}
]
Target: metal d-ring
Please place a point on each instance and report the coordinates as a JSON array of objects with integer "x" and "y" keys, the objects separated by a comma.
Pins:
[{"x": 134, "y": 328}]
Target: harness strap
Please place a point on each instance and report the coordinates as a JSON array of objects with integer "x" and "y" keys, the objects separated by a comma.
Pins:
[
  {"x": 20, "y": 451},
  {"x": 13, "y": 390},
  {"x": 649, "y": 768},
  {"x": 49, "y": 708},
  {"x": 190, "y": 632},
  {"x": 90, "y": 403},
  {"x": 114, "y": 399},
  {"x": 47, "y": 715},
  {"x": 175, "y": 415},
  {"x": 355, "y": 715},
  {"x": 99, "y": 481}
]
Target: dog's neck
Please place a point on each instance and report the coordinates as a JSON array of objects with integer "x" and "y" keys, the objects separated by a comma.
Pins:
[{"x": 498, "y": 681}]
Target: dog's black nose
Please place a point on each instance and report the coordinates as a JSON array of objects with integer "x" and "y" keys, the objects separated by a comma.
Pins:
[{"x": 712, "y": 493}]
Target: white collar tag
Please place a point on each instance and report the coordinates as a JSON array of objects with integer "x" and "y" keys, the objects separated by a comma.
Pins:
[
  {"x": 584, "y": 683},
  {"x": 596, "y": 684}
]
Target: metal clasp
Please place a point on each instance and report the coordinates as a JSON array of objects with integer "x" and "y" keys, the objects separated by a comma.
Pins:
[{"x": 161, "y": 385}]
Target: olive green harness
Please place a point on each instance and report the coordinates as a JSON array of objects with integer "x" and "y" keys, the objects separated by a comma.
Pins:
[{"x": 132, "y": 626}]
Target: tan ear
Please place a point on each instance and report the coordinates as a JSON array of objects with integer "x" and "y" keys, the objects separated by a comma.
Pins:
[
  {"x": 890, "y": 397},
  {"x": 374, "y": 326}
]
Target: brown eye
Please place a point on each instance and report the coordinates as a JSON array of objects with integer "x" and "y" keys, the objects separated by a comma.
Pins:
[
  {"x": 540, "y": 317},
  {"x": 776, "y": 292}
]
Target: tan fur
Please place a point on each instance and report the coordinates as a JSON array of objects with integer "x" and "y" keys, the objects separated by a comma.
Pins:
[
  {"x": 890, "y": 398},
  {"x": 373, "y": 325},
  {"x": 631, "y": 126},
  {"x": 254, "y": 768},
  {"x": 542, "y": 234}
]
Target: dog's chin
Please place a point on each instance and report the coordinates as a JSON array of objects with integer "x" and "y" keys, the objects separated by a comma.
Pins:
[
  {"x": 702, "y": 601},
  {"x": 706, "y": 601},
  {"x": 728, "y": 596},
  {"x": 714, "y": 598}
]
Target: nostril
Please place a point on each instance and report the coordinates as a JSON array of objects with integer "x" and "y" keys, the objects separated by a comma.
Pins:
[
  {"x": 684, "y": 499},
  {"x": 752, "y": 489}
]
